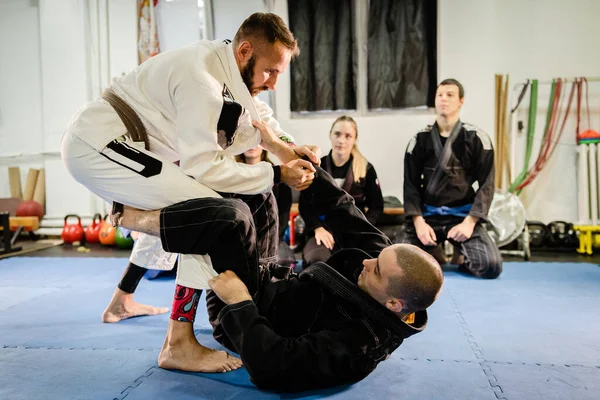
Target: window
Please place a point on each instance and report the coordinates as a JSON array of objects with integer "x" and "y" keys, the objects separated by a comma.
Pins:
[{"x": 363, "y": 55}]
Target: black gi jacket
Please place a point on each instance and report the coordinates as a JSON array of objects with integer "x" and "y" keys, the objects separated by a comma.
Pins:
[
  {"x": 307, "y": 338},
  {"x": 471, "y": 160},
  {"x": 299, "y": 335}
]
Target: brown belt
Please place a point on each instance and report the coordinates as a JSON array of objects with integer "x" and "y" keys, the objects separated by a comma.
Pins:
[
  {"x": 130, "y": 119},
  {"x": 136, "y": 130}
]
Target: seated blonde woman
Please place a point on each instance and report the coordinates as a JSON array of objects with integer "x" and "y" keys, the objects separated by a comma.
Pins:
[{"x": 355, "y": 175}]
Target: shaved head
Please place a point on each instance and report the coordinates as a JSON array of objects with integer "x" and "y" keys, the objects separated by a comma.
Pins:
[{"x": 419, "y": 279}]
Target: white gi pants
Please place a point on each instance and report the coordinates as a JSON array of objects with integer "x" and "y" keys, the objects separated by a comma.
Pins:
[{"x": 127, "y": 173}]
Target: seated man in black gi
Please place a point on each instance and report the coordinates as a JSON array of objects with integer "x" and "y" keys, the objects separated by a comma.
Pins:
[
  {"x": 331, "y": 324},
  {"x": 441, "y": 164}
]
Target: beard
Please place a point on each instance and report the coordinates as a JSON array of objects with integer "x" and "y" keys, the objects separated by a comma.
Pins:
[{"x": 247, "y": 73}]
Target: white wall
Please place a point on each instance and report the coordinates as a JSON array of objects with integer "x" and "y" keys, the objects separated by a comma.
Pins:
[
  {"x": 537, "y": 42},
  {"x": 122, "y": 36},
  {"x": 44, "y": 81},
  {"x": 178, "y": 23},
  {"x": 46, "y": 74},
  {"x": 21, "y": 90},
  {"x": 20, "y": 80},
  {"x": 228, "y": 15},
  {"x": 63, "y": 62}
]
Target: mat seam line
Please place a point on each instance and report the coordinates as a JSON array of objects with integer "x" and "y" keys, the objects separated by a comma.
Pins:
[
  {"x": 137, "y": 382},
  {"x": 527, "y": 364},
  {"x": 443, "y": 360},
  {"x": 487, "y": 370},
  {"x": 5, "y": 346}
]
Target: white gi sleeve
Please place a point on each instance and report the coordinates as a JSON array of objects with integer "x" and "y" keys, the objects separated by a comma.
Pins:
[{"x": 266, "y": 115}]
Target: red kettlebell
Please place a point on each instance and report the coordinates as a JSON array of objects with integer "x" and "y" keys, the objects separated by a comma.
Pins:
[
  {"x": 72, "y": 232},
  {"x": 92, "y": 232}
]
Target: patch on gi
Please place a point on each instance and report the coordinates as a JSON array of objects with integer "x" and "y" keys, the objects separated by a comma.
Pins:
[
  {"x": 411, "y": 145},
  {"x": 229, "y": 119},
  {"x": 486, "y": 141},
  {"x": 409, "y": 319}
]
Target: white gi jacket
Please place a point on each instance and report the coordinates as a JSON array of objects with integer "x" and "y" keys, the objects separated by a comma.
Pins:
[
  {"x": 196, "y": 109},
  {"x": 189, "y": 101}
]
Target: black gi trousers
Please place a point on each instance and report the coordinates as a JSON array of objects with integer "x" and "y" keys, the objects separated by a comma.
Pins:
[
  {"x": 482, "y": 257},
  {"x": 239, "y": 232}
]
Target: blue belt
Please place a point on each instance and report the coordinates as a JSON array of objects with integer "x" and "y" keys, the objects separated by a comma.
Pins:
[{"x": 459, "y": 211}]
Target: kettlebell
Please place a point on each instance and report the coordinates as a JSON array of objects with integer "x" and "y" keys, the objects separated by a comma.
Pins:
[
  {"x": 562, "y": 234},
  {"x": 123, "y": 241},
  {"x": 72, "y": 232},
  {"x": 107, "y": 233},
  {"x": 538, "y": 234},
  {"x": 92, "y": 232}
]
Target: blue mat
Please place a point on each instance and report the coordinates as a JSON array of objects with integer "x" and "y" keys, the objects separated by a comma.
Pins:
[
  {"x": 69, "y": 374},
  {"x": 395, "y": 379},
  {"x": 11, "y": 296},
  {"x": 536, "y": 313},
  {"x": 522, "y": 381},
  {"x": 532, "y": 334}
]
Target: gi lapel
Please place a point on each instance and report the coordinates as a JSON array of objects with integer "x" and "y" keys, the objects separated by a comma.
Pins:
[
  {"x": 238, "y": 87},
  {"x": 340, "y": 286},
  {"x": 235, "y": 90},
  {"x": 327, "y": 165},
  {"x": 443, "y": 153},
  {"x": 349, "y": 178}
]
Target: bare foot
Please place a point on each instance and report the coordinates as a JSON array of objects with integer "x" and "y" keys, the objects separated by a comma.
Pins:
[
  {"x": 191, "y": 356},
  {"x": 122, "y": 306}
]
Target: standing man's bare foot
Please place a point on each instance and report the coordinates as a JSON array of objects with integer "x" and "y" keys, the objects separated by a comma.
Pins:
[
  {"x": 122, "y": 306},
  {"x": 181, "y": 351}
]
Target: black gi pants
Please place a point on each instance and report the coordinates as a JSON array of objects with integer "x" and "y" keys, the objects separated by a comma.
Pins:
[
  {"x": 482, "y": 258},
  {"x": 240, "y": 233}
]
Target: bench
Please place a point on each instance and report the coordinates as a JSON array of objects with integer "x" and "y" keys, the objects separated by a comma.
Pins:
[{"x": 9, "y": 224}]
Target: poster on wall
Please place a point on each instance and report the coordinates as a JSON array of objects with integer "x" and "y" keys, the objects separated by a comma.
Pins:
[{"x": 148, "y": 45}]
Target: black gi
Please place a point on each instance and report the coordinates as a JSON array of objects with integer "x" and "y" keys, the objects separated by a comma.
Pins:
[
  {"x": 441, "y": 171},
  {"x": 297, "y": 334},
  {"x": 367, "y": 197}
]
